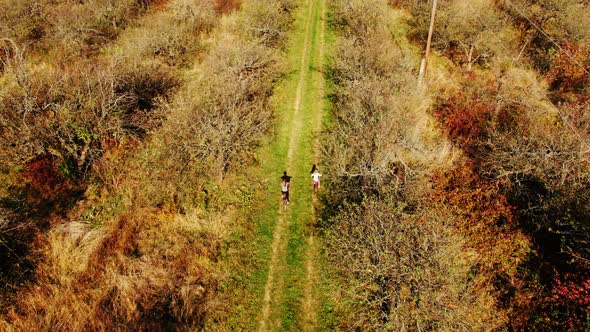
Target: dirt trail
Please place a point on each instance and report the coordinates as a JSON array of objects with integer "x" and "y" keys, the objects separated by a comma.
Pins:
[{"x": 279, "y": 244}]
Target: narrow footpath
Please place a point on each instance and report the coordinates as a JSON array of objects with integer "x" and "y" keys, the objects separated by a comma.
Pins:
[{"x": 290, "y": 300}]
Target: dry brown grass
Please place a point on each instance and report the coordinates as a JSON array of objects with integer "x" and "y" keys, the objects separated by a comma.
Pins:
[{"x": 143, "y": 272}]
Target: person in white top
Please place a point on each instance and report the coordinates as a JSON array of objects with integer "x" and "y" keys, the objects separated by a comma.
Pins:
[{"x": 315, "y": 175}]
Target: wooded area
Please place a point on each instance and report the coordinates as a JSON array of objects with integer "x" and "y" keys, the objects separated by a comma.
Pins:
[{"x": 131, "y": 132}]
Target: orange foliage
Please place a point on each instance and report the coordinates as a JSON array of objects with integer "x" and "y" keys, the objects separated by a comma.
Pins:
[
  {"x": 226, "y": 6},
  {"x": 44, "y": 178},
  {"x": 159, "y": 4},
  {"x": 567, "y": 77},
  {"x": 484, "y": 217}
]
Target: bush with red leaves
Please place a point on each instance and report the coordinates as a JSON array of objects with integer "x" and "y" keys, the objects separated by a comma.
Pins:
[
  {"x": 478, "y": 113},
  {"x": 567, "y": 77},
  {"x": 465, "y": 118},
  {"x": 226, "y": 6},
  {"x": 468, "y": 115},
  {"x": 484, "y": 217},
  {"x": 567, "y": 305},
  {"x": 44, "y": 178}
]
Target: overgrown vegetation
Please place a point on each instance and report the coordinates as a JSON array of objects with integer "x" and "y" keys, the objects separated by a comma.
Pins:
[
  {"x": 527, "y": 143},
  {"x": 124, "y": 126},
  {"x": 517, "y": 197},
  {"x": 63, "y": 116},
  {"x": 68, "y": 28},
  {"x": 382, "y": 138},
  {"x": 406, "y": 270},
  {"x": 401, "y": 261},
  {"x": 146, "y": 143}
]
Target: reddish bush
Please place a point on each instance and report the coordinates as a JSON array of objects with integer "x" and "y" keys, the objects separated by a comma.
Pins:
[
  {"x": 478, "y": 113},
  {"x": 484, "y": 217},
  {"x": 467, "y": 115},
  {"x": 226, "y": 6},
  {"x": 567, "y": 305},
  {"x": 158, "y": 5},
  {"x": 44, "y": 178},
  {"x": 566, "y": 77},
  {"x": 465, "y": 118}
]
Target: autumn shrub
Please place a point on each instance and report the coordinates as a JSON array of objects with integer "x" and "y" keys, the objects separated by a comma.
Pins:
[
  {"x": 24, "y": 21},
  {"x": 145, "y": 85},
  {"x": 66, "y": 27},
  {"x": 466, "y": 119},
  {"x": 267, "y": 22},
  {"x": 211, "y": 133},
  {"x": 356, "y": 19},
  {"x": 485, "y": 218},
  {"x": 67, "y": 115},
  {"x": 568, "y": 78},
  {"x": 172, "y": 35},
  {"x": 44, "y": 177},
  {"x": 382, "y": 137},
  {"x": 19, "y": 113},
  {"x": 512, "y": 133},
  {"x": 73, "y": 112},
  {"x": 227, "y": 6},
  {"x": 405, "y": 268},
  {"x": 474, "y": 114},
  {"x": 567, "y": 305}
]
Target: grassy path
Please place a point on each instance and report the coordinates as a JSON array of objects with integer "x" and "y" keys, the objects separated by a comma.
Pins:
[
  {"x": 290, "y": 299},
  {"x": 312, "y": 279}
]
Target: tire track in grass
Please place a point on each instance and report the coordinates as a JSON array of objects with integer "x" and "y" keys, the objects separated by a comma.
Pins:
[
  {"x": 310, "y": 296},
  {"x": 279, "y": 243}
]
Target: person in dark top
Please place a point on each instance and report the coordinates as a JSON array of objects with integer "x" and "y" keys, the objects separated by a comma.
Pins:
[
  {"x": 285, "y": 186},
  {"x": 285, "y": 177}
]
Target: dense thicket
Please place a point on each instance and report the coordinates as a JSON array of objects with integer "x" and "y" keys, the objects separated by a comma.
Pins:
[
  {"x": 382, "y": 137},
  {"x": 138, "y": 251},
  {"x": 66, "y": 27},
  {"x": 525, "y": 132},
  {"x": 389, "y": 237},
  {"x": 60, "y": 114},
  {"x": 406, "y": 270}
]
